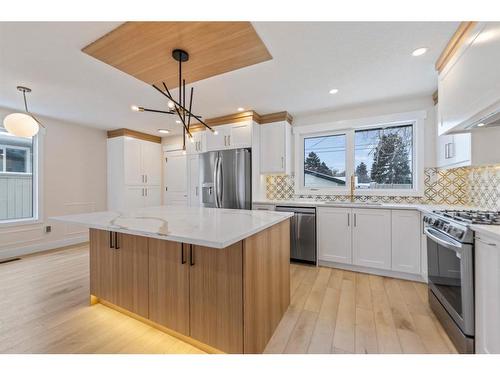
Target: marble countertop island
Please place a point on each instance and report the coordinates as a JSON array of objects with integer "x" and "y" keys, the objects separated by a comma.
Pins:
[{"x": 211, "y": 227}]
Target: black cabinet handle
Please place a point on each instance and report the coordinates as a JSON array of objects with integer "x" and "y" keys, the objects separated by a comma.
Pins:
[
  {"x": 111, "y": 240},
  {"x": 183, "y": 260},
  {"x": 191, "y": 255},
  {"x": 116, "y": 241}
]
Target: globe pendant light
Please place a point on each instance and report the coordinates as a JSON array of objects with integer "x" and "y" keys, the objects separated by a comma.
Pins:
[{"x": 22, "y": 124}]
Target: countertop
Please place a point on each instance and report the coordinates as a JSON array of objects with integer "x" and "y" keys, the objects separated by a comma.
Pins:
[
  {"x": 388, "y": 206},
  {"x": 490, "y": 230},
  {"x": 211, "y": 227}
]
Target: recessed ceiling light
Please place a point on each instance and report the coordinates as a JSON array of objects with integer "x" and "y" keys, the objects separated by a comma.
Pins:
[
  {"x": 178, "y": 121},
  {"x": 480, "y": 124},
  {"x": 164, "y": 131},
  {"x": 241, "y": 109},
  {"x": 333, "y": 91},
  {"x": 419, "y": 51}
]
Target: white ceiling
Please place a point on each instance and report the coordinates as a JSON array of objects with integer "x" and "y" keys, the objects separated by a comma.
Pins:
[{"x": 366, "y": 61}]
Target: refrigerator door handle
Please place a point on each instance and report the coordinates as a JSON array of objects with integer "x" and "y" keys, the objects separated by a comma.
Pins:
[
  {"x": 216, "y": 166},
  {"x": 220, "y": 185}
]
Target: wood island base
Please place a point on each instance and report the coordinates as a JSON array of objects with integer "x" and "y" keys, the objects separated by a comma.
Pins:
[{"x": 220, "y": 300}]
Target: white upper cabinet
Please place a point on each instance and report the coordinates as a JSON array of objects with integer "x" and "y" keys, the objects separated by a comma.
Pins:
[
  {"x": 469, "y": 84},
  {"x": 198, "y": 144},
  {"x": 406, "y": 241},
  {"x": 453, "y": 150},
  {"x": 151, "y": 163},
  {"x": 334, "y": 234},
  {"x": 132, "y": 155},
  {"x": 142, "y": 162},
  {"x": 275, "y": 147},
  {"x": 487, "y": 294},
  {"x": 371, "y": 238},
  {"x": 238, "y": 135}
]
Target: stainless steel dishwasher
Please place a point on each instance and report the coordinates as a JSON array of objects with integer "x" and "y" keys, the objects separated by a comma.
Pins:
[{"x": 302, "y": 233}]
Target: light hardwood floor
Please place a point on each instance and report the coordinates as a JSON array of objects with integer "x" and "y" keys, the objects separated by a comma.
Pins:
[
  {"x": 335, "y": 311},
  {"x": 44, "y": 309}
]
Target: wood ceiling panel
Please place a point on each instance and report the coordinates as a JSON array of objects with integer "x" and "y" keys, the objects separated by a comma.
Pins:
[{"x": 144, "y": 49}]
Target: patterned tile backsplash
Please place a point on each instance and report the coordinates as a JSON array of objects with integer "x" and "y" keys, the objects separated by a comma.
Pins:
[{"x": 475, "y": 186}]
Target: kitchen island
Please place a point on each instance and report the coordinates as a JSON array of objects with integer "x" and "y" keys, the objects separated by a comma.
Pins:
[{"x": 217, "y": 278}]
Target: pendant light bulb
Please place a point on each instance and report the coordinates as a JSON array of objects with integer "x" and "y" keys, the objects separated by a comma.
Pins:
[{"x": 171, "y": 105}]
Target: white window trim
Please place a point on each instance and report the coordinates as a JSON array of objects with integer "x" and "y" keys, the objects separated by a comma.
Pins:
[
  {"x": 348, "y": 127},
  {"x": 37, "y": 218}
]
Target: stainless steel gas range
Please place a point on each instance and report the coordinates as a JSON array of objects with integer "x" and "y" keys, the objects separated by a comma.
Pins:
[{"x": 450, "y": 262}]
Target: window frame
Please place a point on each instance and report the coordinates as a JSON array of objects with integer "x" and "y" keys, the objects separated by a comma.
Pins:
[
  {"x": 348, "y": 127},
  {"x": 37, "y": 185},
  {"x": 27, "y": 161}
]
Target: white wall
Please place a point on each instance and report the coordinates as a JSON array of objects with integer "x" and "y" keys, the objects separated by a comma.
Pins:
[
  {"x": 379, "y": 109},
  {"x": 74, "y": 181},
  {"x": 485, "y": 144}
]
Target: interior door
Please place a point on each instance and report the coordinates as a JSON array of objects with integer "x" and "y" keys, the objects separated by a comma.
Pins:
[
  {"x": 175, "y": 174},
  {"x": 169, "y": 284},
  {"x": 216, "y": 295}
]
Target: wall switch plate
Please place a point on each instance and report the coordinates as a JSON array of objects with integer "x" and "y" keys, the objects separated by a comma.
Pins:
[{"x": 48, "y": 229}]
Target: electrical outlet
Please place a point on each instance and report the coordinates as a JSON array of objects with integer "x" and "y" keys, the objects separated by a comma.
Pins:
[{"x": 48, "y": 229}]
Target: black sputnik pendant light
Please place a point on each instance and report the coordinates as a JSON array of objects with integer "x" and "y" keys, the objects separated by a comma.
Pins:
[{"x": 178, "y": 107}]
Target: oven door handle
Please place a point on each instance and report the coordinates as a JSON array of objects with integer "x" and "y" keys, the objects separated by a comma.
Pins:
[{"x": 448, "y": 243}]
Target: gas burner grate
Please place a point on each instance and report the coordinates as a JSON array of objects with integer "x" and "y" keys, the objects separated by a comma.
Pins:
[{"x": 472, "y": 216}]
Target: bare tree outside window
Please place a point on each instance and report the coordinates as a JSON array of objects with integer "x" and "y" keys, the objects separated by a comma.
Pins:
[{"x": 384, "y": 158}]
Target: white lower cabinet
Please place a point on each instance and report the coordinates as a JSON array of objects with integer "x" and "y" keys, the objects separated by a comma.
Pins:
[
  {"x": 371, "y": 238},
  {"x": 388, "y": 240},
  {"x": 406, "y": 239},
  {"x": 334, "y": 234},
  {"x": 487, "y": 294}
]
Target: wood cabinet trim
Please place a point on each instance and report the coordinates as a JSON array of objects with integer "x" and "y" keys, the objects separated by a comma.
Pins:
[
  {"x": 275, "y": 117},
  {"x": 456, "y": 41},
  {"x": 123, "y": 132}
]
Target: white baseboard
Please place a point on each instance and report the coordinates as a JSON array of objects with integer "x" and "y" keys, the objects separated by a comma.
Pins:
[
  {"x": 373, "y": 271},
  {"x": 36, "y": 248}
]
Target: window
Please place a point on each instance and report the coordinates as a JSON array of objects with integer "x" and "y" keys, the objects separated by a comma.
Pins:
[
  {"x": 16, "y": 177},
  {"x": 384, "y": 158},
  {"x": 325, "y": 161}
]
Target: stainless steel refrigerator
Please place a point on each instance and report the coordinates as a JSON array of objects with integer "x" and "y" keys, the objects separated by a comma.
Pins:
[{"x": 226, "y": 179}]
